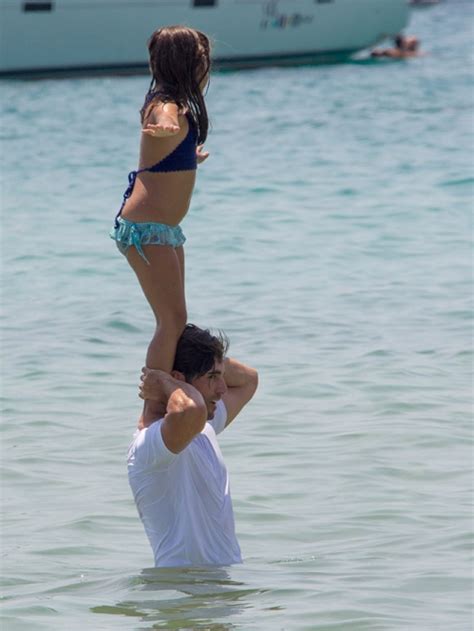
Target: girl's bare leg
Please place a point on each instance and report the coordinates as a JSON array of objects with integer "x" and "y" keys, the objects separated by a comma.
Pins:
[
  {"x": 163, "y": 285},
  {"x": 180, "y": 254}
]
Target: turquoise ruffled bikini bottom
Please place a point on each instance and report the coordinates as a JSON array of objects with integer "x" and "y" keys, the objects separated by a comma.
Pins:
[{"x": 128, "y": 233}]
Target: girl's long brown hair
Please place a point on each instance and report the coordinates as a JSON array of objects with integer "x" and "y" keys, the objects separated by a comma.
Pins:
[{"x": 179, "y": 63}]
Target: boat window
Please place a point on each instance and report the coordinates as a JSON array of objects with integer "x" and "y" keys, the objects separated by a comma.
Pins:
[
  {"x": 204, "y": 3},
  {"x": 37, "y": 6}
]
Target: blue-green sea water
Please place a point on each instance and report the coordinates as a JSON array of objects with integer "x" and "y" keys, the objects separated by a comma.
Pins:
[{"x": 329, "y": 236}]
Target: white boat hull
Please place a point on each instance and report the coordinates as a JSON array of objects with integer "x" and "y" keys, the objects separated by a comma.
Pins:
[{"x": 111, "y": 35}]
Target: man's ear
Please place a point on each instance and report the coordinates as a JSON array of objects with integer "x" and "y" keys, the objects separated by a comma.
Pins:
[{"x": 178, "y": 375}]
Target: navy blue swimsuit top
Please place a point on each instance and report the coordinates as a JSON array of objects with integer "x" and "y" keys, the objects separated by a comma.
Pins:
[{"x": 182, "y": 158}]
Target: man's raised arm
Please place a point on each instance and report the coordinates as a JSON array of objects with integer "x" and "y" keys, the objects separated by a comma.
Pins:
[
  {"x": 186, "y": 411},
  {"x": 241, "y": 382}
]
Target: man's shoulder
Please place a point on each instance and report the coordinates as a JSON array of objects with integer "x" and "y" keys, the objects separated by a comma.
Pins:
[
  {"x": 143, "y": 434},
  {"x": 148, "y": 447}
]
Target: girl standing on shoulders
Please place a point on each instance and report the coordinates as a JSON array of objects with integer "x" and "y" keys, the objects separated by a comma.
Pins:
[{"x": 174, "y": 128}]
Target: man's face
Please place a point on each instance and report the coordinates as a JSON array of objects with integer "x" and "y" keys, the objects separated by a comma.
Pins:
[{"x": 212, "y": 386}]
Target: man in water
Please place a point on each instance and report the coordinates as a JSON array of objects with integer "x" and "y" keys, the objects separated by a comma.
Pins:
[
  {"x": 175, "y": 467},
  {"x": 405, "y": 46}
]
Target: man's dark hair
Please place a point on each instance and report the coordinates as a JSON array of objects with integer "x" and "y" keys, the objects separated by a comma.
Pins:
[{"x": 198, "y": 350}]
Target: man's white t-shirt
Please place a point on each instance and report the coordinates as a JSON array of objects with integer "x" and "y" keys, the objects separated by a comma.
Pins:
[{"x": 184, "y": 499}]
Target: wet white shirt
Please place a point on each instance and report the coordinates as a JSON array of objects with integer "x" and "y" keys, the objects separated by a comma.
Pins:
[{"x": 184, "y": 499}]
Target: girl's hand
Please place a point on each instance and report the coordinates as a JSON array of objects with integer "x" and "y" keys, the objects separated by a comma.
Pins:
[
  {"x": 166, "y": 127},
  {"x": 201, "y": 155}
]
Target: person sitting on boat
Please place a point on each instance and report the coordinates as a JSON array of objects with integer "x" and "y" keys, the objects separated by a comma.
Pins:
[{"x": 405, "y": 46}]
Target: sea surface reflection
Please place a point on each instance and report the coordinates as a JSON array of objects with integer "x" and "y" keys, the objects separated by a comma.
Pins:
[{"x": 184, "y": 598}]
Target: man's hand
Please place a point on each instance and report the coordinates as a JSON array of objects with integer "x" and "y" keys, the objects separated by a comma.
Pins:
[
  {"x": 153, "y": 384},
  {"x": 201, "y": 155},
  {"x": 184, "y": 409}
]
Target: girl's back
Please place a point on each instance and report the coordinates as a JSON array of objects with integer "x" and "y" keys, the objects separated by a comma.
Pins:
[{"x": 164, "y": 195}]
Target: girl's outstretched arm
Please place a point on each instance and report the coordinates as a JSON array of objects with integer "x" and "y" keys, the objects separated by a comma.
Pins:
[{"x": 162, "y": 121}]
